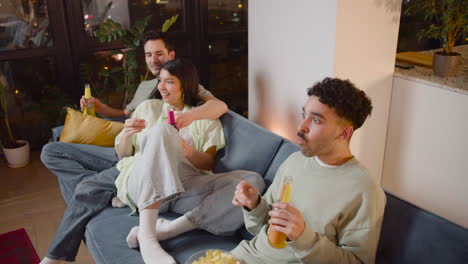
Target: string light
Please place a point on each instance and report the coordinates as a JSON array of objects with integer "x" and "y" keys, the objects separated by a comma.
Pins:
[
  {"x": 106, "y": 68},
  {"x": 16, "y": 91},
  {"x": 240, "y": 5}
]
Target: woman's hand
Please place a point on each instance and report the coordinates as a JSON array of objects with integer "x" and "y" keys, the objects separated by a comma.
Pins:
[
  {"x": 133, "y": 126},
  {"x": 183, "y": 119},
  {"x": 187, "y": 150},
  {"x": 201, "y": 160}
]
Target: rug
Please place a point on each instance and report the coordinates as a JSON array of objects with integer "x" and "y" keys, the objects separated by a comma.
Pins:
[{"x": 16, "y": 248}]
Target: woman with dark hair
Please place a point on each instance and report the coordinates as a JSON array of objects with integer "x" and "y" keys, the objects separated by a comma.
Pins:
[
  {"x": 162, "y": 167},
  {"x": 187, "y": 74}
]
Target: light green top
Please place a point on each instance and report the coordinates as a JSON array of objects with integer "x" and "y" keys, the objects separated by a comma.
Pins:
[
  {"x": 145, "y": 89},
  {"x": 204, "y": 134},
  {"x": 342, "y": 207}
]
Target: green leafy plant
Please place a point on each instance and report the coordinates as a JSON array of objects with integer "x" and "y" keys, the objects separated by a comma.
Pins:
[
  {"x": 448, "y": 20},
  {"x": 131, "y": 39},
  {"x": 169, "y": 22},
  {"x": 6, "y": 135}
]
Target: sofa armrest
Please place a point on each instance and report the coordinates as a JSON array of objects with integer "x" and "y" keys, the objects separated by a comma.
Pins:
[{"x": 413, "y": 235}]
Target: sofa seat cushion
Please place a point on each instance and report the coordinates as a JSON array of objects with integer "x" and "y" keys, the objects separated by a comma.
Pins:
[{"x": 106, "y": 233}]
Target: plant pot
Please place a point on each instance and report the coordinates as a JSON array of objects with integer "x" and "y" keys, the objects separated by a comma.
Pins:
[
  {"x": 446, "y": 65},
  {"x": 17, "y": 157}
]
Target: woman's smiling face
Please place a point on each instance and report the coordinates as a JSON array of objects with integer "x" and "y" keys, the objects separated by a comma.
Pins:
[{"x": 170, "y": 88}]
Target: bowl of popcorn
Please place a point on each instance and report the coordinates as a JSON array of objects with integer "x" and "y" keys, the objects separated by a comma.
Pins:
[{"x": 212, "y": 256}]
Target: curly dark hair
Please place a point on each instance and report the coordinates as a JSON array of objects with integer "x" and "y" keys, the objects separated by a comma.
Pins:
[
  {"x": 349, "y": 102},
  {"x": 154, "y": 35},
  {"x": 186, "y": 72}
]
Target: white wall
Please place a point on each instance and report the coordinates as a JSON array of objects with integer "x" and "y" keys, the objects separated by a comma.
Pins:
[
  {"x": 366, "y": 40},
  {"x": 426, "y": 157},
  {"x": 293, "y": 44}
]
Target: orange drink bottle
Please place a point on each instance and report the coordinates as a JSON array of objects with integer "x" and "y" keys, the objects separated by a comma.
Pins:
[{"x": 277, "y": 239}]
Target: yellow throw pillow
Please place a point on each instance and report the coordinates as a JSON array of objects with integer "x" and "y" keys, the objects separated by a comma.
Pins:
[{"x": 87, "y": 129}]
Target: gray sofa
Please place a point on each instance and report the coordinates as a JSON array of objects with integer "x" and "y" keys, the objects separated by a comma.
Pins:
[{"x": 409, "y": 234}]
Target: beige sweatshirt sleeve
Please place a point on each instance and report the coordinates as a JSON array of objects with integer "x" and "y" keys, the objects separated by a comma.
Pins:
[
  {"x": 357, "y": 246},
  {"x": 255, "y": 219}
]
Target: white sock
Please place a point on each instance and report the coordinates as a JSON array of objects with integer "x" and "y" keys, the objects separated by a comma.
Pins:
[
  {"x": 47, "y": 260},
  {"x": 132, "y": 237},
  {"x": 117, "y": 203},
  {"x": 150, "y": 249},
  {"x": 167, "y": 229}
]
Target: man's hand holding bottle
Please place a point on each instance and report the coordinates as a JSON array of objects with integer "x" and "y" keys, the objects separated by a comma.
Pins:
[{"x": 98, "y": 105}]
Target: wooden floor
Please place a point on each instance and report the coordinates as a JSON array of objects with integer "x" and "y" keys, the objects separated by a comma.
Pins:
[{"x": 30, "y": 198}]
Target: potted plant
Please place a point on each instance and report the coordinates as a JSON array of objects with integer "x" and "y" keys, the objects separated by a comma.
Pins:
[
  {"x": 448, "y": 21},
  {"x": 16, "y": 151}
]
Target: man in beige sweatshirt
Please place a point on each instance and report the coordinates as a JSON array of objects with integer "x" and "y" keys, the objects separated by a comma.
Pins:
[{"x": 336, "y": 208}]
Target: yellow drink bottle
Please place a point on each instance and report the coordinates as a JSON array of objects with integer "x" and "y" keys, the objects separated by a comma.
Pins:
[
  {"x": 89, "y": 107},
  {"x": 277, "y": 239}
]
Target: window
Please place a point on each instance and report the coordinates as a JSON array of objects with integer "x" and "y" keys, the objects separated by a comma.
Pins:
[
  {"x": 125, "y": 12},
  {"x": 24, "y": 24},
  {"x": 227, "y": 52}
]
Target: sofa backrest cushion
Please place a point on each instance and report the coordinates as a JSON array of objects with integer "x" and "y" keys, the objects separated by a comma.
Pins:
[
  {"x": 248, "y": 146},
  {"x": 286, "y": 148},
  {"x": 414, "y": 235}
]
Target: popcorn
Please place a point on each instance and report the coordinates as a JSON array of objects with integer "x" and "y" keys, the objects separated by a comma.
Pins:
[{"x": 216, "y": 257}]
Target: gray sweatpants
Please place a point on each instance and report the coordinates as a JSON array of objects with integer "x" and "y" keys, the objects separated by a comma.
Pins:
[{"x": 162, "y": 174}]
